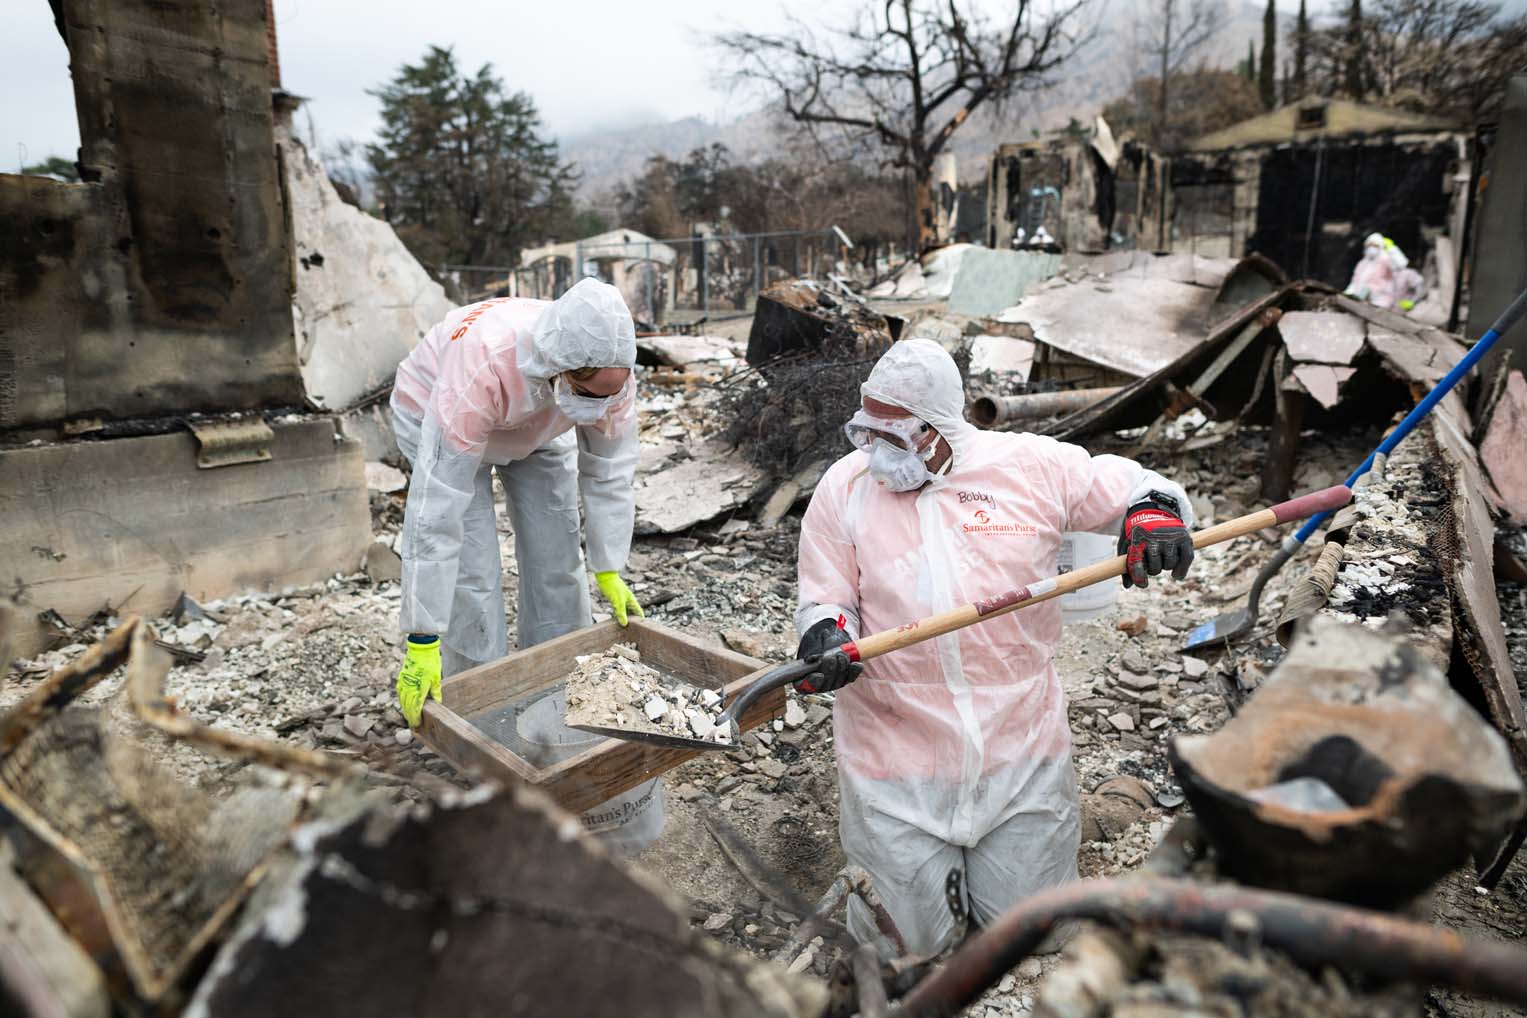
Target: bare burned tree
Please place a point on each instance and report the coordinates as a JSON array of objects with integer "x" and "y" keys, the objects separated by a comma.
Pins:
[
  {"x": 906, "y": 76},
  {"x": 1174, "y": 30}
]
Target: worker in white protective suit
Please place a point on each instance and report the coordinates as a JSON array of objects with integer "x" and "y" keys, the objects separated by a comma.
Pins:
[
  {"x": 955, "y": 754},
  {"x": 503, "y": 385},
  {"x": 1383, "y": 276}
]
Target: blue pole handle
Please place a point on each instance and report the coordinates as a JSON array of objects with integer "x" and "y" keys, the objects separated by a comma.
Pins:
[{"x": 1513, "y": 314}]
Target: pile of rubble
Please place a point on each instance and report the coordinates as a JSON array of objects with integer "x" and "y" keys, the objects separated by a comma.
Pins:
[
  {"x": 615, "y": 690},
  {"x": 751, "y": 836}
]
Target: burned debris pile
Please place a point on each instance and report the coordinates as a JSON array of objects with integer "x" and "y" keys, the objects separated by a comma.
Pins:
[
  {"x": 211, "y": 804},
  {"x": 809, "y": 348}
]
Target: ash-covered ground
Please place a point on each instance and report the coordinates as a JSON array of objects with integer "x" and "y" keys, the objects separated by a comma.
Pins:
[{"x": 316, "y": 667}]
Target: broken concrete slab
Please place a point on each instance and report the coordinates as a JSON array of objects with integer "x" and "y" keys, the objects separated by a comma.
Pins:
[
  {"x": 383, "y": 478},
  {"x": 680, "y": 351},
  {"x": 1322, "y": 337},
  {"x": 362, "y": 301},
  {"x": 1323, "y": 381},
  {"x": 1179, "y": 267},
  {"x": 713, "y": 482},
  {"x": 1414, "y": 355},
  {"x": 941, "y": 266},
  {"x": 382, "y": 564},
  {"x": 990, "y": 280},
  {"x": 1004, "y": 355},
  {"x": 1501, "y": 450},
  {"x": 164, "y": 526},
  {"x": 906, "y": 283},
  {"x": 372, "y": 426}
]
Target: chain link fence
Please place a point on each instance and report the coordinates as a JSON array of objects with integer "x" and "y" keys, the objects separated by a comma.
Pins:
[{"x": 673, "y": 280}]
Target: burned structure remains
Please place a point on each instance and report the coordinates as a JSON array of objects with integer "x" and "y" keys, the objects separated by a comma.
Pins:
[
  {"x": 1305, "y": 184},
  {"x": 171, "y": 322},
  {"x": 1299, "y": 770}
]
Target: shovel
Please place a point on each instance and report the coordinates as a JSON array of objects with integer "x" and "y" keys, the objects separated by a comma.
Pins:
[
  {"x": 865, "y": 648},
  {"x": 1235, "y": 624}
]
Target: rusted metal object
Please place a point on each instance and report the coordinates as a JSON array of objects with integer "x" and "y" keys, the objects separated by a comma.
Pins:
[
  {"x": 1312, "y": 933},
  {"x": 1415, "y": 781},
  {"x": 991, "y": 411},
  {"x": 226, "y": 443},
  {"x": 141, "y": 869}
]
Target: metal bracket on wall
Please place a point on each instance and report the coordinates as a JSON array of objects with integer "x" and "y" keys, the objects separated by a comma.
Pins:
[{"x": 225, "y": 443}]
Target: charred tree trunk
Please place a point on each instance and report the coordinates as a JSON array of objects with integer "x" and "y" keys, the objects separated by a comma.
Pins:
[{"x": 923, "y": 210}]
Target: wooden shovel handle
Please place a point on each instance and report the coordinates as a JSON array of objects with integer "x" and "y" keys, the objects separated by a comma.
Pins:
[{"x": 958, "y": 618}]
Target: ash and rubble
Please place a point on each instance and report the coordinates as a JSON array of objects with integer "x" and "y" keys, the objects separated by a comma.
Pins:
[
  {"x": 615, "y": 689},
  {"x": 314, "y": 667}
]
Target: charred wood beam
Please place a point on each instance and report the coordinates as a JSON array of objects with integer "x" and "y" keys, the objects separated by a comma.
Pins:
[
  {"x": 1313, "y": 933},
  {"x": 1283, "y": 447}
]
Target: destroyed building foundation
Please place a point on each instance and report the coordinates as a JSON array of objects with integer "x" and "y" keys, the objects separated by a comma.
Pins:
[{"x": 141, "y": 299}]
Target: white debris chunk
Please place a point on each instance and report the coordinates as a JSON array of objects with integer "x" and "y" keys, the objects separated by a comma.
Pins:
[
  {"x": 700, "y": 723},
  {"x": 613, "y": 689}
]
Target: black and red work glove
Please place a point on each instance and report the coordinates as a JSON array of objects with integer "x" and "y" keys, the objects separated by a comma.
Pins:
[
  {"x": 836, "y": 670},
  {"x": 1153, "y": 539}
]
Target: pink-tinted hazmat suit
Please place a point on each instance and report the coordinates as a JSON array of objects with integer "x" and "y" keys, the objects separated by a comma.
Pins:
[
  {"x": 476, "y": 394},
  {"x": 476, "y": 397},
  {"x": 955, "y": 753}
]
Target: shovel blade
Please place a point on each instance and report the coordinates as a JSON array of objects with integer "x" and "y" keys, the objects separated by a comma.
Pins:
[
  {"x": 1229, "y": 626},
  {"x": 655, "y": 739}
]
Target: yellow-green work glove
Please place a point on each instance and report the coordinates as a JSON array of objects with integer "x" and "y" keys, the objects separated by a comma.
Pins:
[
  {"x": 619, "y": 595},
  {"x": 419, "y": 678}
]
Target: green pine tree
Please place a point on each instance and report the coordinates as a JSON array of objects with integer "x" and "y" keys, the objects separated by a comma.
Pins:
[
  {"x": 460, "y": 166},
  {"x": 1301, "y": 53},
  {"x": 1267, "y": 82}
]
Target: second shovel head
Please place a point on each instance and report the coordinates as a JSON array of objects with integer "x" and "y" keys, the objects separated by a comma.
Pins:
[{"x": 1229, "y": 626}]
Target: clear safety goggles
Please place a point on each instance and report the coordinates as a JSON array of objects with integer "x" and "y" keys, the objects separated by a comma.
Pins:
[{"x": 864, "y": 429}]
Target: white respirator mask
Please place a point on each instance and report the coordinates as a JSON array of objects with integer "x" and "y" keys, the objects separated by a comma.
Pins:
[
  {"x": 895, "y": 460},
  {"x": 579, "y": 409},
  {"x": 900, "y": 469}
]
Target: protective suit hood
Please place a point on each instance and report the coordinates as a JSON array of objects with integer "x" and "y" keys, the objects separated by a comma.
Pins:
[
  {"x": 589, "y": 326},
  {"x": 919, "y": 376}
]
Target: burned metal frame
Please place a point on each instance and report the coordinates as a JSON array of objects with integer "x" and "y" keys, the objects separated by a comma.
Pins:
[{"x": 1313, "y": 933}]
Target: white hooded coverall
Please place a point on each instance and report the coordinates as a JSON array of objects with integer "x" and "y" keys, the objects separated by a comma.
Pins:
[
  {"x": 476, "y": 395},
  {"x": 955, "y": 753}
]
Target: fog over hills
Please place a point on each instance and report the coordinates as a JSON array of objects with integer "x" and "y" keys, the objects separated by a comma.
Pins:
[{"x": 1100, "y": 73}]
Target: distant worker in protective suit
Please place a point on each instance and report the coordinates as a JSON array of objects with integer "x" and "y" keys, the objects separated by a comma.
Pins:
[
  {"x": 1383, "y": 276},
  {"x": 503, "y": 385},
  {"x": 955, "y": 753}
]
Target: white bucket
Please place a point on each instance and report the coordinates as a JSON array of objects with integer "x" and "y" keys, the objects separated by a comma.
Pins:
[
  {"x": 1077, "y": 551},
  {"x": 627, "y": 823}
]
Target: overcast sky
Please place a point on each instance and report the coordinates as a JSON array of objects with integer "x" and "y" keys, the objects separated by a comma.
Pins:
[{"x": 587, "y": 63}]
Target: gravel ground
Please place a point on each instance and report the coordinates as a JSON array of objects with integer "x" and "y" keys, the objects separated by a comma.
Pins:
[{"x": 315, "y": 667}]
